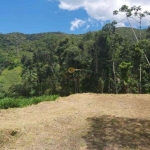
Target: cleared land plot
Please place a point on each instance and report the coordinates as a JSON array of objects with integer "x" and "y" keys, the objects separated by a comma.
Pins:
[{"x": 79, "y": 122}]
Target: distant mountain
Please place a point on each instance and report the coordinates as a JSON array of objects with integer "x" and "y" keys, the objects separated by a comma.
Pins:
[
  {"x": 32, "y": 60},
  {"x": 127, "y": 32}
]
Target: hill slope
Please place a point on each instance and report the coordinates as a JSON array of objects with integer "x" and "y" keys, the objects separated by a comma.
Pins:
[
  {"x": 40, "y": 62},
  {"x": 64, "y": 124}
]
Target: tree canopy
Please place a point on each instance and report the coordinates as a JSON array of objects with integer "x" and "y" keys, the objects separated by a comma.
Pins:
[{"x": 106, "y": 61}]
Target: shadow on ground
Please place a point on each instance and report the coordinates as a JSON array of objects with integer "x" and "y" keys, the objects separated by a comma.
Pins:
[{"x": 111, "y": 133}]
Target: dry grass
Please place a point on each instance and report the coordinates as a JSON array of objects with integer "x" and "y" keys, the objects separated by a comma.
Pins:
[
  {"x": 118, "y": 133},
  {"x": 8, "y": 136},
  {"x": 117, "y": 122}
]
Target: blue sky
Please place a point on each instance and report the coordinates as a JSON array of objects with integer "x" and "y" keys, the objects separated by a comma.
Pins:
[{"x": 68, "y": 16}]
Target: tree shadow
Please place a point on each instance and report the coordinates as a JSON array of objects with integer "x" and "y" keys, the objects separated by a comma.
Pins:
[{"x": 109, "y": 132}]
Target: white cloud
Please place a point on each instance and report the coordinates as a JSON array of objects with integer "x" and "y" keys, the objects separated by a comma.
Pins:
[
  {"x": 86, "y": 23},
  {"x": 70, "y": 4},
  {"x": 121, "y": 24},
  {"x": 76, "y": 23},
  {"x": 102, "y": 10}
]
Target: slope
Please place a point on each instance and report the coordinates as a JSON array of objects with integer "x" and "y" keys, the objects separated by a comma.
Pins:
[{"x": 66, "y": 123}]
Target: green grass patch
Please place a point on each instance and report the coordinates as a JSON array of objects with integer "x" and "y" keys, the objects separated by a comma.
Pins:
[
  {"x": 10, "y": 77},
  {"x": 23, "y": 102}
]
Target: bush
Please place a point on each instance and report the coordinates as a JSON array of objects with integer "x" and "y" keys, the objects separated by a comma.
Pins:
[
  {"x": 8, "y": 103},
  {"x": 23, "y": 102},
  {"x": 2, "y": 95}
]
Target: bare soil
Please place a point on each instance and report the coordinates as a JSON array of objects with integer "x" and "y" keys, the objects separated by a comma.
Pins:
[{"x": 79, "y": 122}]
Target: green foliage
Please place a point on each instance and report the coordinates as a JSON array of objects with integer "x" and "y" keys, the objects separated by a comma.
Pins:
[
  {"x": 9, "y": 77},
  {"x": 125, "y": 70},
  {"x": 125, "y": 75},
  {"x": 8, "y": 103},
  {"x": 127, "y": 33},
  {"x": 23, "y": 102},
  {"x": 37, "y": 64},
  {"x": 101, "y": 85}
]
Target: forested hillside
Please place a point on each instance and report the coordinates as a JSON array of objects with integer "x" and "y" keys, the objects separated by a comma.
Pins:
[{"x": 104, "y": 61}]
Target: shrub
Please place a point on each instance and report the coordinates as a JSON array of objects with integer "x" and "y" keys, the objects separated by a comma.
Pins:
[{"x": 23, "y": 102}]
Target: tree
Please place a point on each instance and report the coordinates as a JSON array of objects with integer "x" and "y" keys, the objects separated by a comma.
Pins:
[
  {"x": 134, "y": 12},
  {"x": 125, "y": 75}
]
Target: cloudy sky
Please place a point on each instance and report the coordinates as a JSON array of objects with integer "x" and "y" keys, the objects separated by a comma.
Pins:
[{"x": 69, "y": 16}]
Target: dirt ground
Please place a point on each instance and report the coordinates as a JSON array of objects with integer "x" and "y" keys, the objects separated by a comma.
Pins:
[{"x": 65, "y": 124}]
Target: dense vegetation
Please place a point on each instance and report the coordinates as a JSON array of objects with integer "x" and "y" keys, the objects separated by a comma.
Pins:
[
  {"x": 20, "y": 102},
  {"x": 108, "y": 60}
]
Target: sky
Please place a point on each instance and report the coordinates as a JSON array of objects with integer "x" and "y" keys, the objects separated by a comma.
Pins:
[{"x": 67, "y": 16}]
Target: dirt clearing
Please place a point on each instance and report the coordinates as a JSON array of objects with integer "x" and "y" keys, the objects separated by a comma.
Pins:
[{"x": 79, "y": 122}]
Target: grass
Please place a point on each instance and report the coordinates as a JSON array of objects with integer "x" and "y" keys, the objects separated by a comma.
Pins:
[
  {"x": 111, "y": 133},
  {"x": 23, "y": 102},
  {"x": 8, "y": 136},
  {"x": 10, "y": 77}
]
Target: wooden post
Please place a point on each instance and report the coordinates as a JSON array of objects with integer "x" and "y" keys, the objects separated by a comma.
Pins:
[{"x": 140, "y": 77}]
